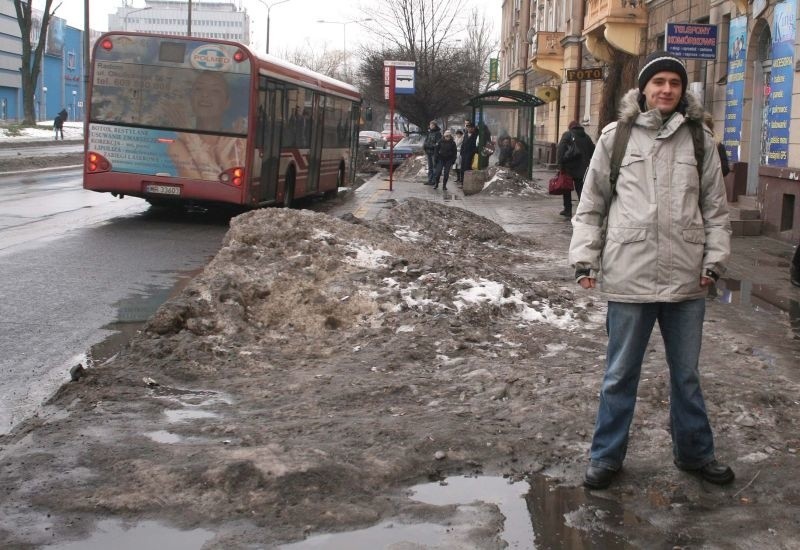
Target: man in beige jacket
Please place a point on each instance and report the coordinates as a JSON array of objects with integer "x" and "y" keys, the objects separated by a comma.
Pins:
[{"x": 653, "y": 244}]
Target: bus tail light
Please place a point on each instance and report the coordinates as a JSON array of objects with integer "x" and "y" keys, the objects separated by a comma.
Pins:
[
  {"x": 239, "y": 56},
  {"x": 233, "y": 176},
  {"x": 107, "y": 44},
  {"x": 96, "y": 163}
]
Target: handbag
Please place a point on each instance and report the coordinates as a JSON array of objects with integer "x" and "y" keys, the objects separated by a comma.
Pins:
[
  {"x": 476, "y": 161},
  {"x": 571, "y": 152},
  {"x": 560, "y": 184}
]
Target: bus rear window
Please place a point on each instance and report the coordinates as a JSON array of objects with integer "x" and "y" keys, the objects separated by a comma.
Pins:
[{"x": 170, "y": 97}]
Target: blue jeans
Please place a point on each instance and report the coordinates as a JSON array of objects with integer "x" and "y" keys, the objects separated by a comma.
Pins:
[
  {"x": 431, "y": 155},
  {"x": 629, "y": 327}
]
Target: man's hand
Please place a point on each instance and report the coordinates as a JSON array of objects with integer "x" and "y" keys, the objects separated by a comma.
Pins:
[
  {"x": 706, "y": 281},
  {"x": 587, "y": 283}
]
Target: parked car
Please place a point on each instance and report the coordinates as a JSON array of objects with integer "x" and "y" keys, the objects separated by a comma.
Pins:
[
  {"x": 373, "y": 140},
  {"x": 405, "y": 148},
  {"x": 396, "y": 137}
]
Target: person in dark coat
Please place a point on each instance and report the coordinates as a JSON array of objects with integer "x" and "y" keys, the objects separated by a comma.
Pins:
[
  {"x": 505, "y": 151},
  {"x": 429, "y": 145},
  {"x": 519, "y": 158},
  {"x": 468, "y": 149},
  {"x": 58, "y": 123},
  {"x": 446, "y": 154},
  {"x": 576, "y": 166}
]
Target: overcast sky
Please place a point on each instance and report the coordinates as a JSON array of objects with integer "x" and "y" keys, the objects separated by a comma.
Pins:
[{"x": 292, "y": 23}]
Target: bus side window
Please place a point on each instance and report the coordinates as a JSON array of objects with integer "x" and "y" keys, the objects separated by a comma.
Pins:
[{"x": 261, "y": 127}]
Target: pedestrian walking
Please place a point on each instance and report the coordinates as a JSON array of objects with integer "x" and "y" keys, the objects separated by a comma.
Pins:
[
  {"x": 446, "y": 153},
  {"x": 432, "y": 140},
  {"x": 653, "y": 241},
  {"x": 459, "y": 139},
  {"x": 469, "y": 148},
  {"x": 58, "y": 123},
  {"x": 577, "y": 142},
  {"x": 794, "y": 268}
]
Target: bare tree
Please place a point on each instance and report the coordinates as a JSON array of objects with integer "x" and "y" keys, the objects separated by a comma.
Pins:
[
  {"x": 480, "y": 46},
  {"x": 31, "y": 58},
  {"x": 423, "y": 31},
  {"x": 327, "y": 62}
]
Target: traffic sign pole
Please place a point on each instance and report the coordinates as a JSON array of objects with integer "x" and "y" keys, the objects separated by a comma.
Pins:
[{"x": 391, "y": 71}]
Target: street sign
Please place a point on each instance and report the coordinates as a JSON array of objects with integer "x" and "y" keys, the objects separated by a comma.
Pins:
[
  {"x": 576, "y": 75},
  {"x": 403, "y": 81}
]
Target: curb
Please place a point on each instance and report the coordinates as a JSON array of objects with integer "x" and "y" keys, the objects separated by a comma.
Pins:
[{"x": 40, "y": 170}]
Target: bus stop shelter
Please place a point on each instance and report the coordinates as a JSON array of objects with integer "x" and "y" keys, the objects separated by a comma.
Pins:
[{"x": 507, "y": 114}]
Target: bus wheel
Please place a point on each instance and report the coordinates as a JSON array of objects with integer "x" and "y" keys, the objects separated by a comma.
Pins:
[{"x": 288, "y": 191}]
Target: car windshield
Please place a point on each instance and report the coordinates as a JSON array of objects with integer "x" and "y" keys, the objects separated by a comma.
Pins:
[{"x": 411, "y": 141}]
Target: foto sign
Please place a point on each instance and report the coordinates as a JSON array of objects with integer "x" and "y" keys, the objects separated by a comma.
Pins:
[
  {"x": 576, "y": 75},
  {"x": 691, "y": 40}
]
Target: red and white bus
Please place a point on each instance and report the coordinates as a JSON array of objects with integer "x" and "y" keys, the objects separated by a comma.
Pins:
[{"x": 188, "y": 120}]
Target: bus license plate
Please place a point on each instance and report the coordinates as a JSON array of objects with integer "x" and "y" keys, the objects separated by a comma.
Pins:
[{"x": 162, "y": 189}]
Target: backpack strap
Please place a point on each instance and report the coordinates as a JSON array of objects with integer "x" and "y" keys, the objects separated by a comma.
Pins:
[
  {"x": 621, "y": 137},
  {"x": 698, "y": 140}
]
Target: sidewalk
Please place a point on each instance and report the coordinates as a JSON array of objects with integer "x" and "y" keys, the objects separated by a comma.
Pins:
[{"x": 758, "y": 272}]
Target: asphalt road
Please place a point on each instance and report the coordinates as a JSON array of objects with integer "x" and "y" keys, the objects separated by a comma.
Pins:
[{"x": 76, "y": 268}]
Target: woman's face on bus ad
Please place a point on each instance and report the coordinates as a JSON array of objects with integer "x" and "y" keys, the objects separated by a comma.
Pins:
[{"x": 209, "y": 95}]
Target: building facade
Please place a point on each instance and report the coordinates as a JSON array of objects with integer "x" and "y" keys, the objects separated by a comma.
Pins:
[
  {"x": 220, "y": 20},
  {"x": 748, "y": 85},
  {"x": 60, "y": 84}
]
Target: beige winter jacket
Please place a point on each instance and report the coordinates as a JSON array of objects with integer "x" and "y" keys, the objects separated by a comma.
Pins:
[{"x": 654, "y": 239}]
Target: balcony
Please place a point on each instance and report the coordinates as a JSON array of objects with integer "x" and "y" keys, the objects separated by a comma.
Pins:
[
  {"x": 620, "y": 23},
  {"x": 547, "y": 54}
]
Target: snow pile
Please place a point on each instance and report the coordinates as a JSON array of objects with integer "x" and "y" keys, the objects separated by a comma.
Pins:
[
  {"x": 43, "y": 132},
  {"x": 507, "y": 183},
  {"x": 290, "y": 276}
]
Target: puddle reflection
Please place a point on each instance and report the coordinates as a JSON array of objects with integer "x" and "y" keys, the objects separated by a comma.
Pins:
[
  {"x": 147, "y": 534},
  {"x": 760, "y": 298}
]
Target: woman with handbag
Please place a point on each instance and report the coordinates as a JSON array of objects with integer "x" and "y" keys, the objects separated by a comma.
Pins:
[{"x": 574, "y": 152}]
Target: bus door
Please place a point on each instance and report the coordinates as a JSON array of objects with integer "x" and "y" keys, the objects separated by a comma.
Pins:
[
  {"x": 270, "y": 117},
  {"x": 315, "y": 150}
]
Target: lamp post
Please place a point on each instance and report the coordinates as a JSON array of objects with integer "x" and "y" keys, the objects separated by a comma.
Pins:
[
  {"x": 74, "y": 104},
  {"x": 344, "y": 34},
  {"x": 43, "y": 106},
  {"x": 269, "y": 8},
  {"x": 127, "y": 13}
]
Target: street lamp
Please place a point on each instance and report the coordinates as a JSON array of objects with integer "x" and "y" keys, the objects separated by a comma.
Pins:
[
  {"x": 344, "y": 34},
  {"x": 269, "y": 8},
  {"x": 43, "y": 111},
  {"x": 127, "y": 13},
  {"x": 74, "y": 104}
]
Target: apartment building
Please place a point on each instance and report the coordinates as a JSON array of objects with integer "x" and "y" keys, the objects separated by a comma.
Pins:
[
  {"x": 221, "y": 19},
  {"x": 747, "y": 84}
]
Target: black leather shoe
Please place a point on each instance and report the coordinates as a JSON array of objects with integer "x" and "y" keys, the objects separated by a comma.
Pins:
[
  {"x": 598, "y": 478},
  {"x": 714, "y": 472}
]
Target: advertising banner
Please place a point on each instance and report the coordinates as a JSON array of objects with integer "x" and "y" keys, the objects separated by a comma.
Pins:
[
  {"x": 166, "y": 153},
  {"x": 734, "y": 92},
  {"x": 778, "y": 95},
  {"x": 693, "y": 41}
]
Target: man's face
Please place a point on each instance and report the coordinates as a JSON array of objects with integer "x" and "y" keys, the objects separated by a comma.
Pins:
[{"x": 663, "y": 92}]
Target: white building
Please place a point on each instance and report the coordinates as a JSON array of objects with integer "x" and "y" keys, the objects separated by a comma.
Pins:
[{"x": 221, "y": 19}]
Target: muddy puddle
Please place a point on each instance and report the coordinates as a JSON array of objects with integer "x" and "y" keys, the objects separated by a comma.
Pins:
[{"x": 537, "y": 515}]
